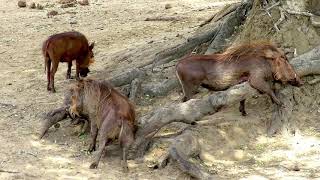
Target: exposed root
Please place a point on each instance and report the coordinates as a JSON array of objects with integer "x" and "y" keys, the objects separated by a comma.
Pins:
[
  {"x": 6, "y": 171},
  {"x": 282, "y": 17}
]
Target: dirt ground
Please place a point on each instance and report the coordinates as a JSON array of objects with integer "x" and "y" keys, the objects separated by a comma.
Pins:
[{"x": 233, "y": 147}]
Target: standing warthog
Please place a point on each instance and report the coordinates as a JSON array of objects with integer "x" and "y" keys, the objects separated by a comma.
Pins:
[
  {"x": 110, "y": 113},
  {"x": 66, "y": 47},
  {"x": 257, "y": 63}
]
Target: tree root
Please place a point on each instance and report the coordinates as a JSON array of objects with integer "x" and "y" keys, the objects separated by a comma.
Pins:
[
  {"x": 280, "y": 121},
  {"x": 52, "y": 118},
  {"x": 221, "y": 14},
  {"x": 185, "y": 147},
  {"x": 126, "y": 77},
  {"x": 59, "y": 114},
  {"x": 227, "y": 27},
  {"x": 282, "y": 17}
]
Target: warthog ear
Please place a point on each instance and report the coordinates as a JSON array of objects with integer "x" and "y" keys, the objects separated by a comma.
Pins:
[{"x": 91, "y": 46}]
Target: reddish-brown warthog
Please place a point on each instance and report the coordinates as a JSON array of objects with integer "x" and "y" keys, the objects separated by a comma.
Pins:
[
  {"x": 109, "y": 112},
  {"x": 66, "y": 47},
  {"x": 258, "y": 63}
]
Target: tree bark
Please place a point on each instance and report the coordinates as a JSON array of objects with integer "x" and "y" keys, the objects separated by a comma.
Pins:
[{"x": 228, "y": 27}]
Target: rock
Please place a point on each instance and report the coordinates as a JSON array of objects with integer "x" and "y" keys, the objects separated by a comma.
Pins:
[
  {"x": 83, "y": 2},
  {"x": 67, "y": 5},
  {"x": 32, "y": 5},
  {"x": 66, "y": 1},
  {"x": 168, "y": 6},
  {"x": 22, "y": 3},
  {"x": 39, "y": 6},
  {"x": 52, "y": 13},
  {"x": 73, "y": 21},
  {"x": 57, "y": 125},
  {"x": 188, "y": 144}
]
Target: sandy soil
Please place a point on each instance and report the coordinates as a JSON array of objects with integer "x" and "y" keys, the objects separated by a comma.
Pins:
[{"x": 234, "y": 147}]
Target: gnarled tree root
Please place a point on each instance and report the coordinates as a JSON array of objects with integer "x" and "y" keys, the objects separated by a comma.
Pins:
[
  {"x": 52, "y": 118},
  {"x": 186, "y": 146},
  {"x": 59, "y": 114}
]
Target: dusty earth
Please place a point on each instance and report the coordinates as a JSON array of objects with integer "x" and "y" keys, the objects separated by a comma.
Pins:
[{"x": 233, "y": 147}]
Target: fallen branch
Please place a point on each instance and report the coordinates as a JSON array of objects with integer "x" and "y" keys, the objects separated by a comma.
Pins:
[
  {"x": 299, "y": 13},
  {"x": 6, "y": 171},
  {"x": 164, "y": 18}
]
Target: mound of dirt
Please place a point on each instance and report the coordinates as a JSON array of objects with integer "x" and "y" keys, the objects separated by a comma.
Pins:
[{"x": 295, "y": 31}]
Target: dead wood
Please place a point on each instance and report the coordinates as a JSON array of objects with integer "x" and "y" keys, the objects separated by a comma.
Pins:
[{"x": 160, "y": 18}]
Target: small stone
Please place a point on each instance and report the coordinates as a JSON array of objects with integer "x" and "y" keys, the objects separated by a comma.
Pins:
[
  {"x": 57, "y": 125},
  {"x": 73, "y": 21},
  {"x": 22, "y": 3},
  {"x": 168, "y": 6},
  {"x": 52, "y": 13},
  {"x": 39, "y": 6},
  {"x": 66, "y": 1},
  {"x": 83, "y": 2},
  {"x": 67, "y": 5},
  {"x": 296, "y": 168},
  {"x": 32, "y": 5}
]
